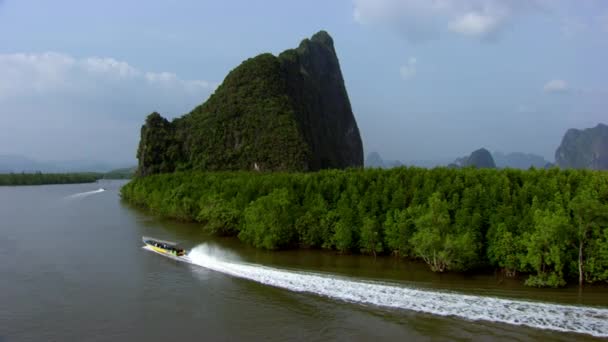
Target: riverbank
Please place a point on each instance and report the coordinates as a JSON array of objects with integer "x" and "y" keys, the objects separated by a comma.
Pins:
[
  {"x": 545, "y": 223},
  {"x": 38, "y": 178},
  {"x": 11, "y": 179}
]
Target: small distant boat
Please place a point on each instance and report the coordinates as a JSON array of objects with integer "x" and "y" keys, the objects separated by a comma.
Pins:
[{"x": 166, "y": 248}]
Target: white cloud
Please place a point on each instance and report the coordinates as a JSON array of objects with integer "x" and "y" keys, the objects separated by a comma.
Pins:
[
  {"x": 556, "y": 86},
  {"x": 420, "y": 20},
  {"x": 54, "y": 74},
  {"x": 475, "y": 24},
  {"x": 109, "y": 66},
  {"x": 415, "y": 19},
  {"x": 409, "y": 70},
  {"x": 58, "y": 106}
]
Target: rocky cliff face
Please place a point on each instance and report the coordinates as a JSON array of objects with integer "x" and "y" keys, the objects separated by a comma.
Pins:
[
  {"x": 322, "y": 107},
  {"x": 481, "y": 158},
  {"x": 584, "y": 149},
  {"x": 285, "y": 113}
]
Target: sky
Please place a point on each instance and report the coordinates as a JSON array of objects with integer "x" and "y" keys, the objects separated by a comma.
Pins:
[{"x": 427, "y": 79}]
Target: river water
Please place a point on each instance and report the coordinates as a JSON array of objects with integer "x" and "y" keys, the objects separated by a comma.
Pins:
[{"x": 73, "y": 269}]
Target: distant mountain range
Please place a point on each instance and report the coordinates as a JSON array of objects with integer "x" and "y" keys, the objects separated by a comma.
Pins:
[
  {"x": 579, "y": 149},
  {"x": 374, "y": 160},
  {"x": 480, "y": 158},
  {"x": 17, "y": 164},
  {"x": 515, "y": 160},
  {"x": 519, "y": 160},
  {"x": 124, "y": 173},
  {"x": 586, "y": 148}
]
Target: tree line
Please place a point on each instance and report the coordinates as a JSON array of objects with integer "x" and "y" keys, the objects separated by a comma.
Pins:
[
  {"x": 551, "y": 225},
  {"x": 124, "y": 173},
  {"x": 39, "y": 178}
]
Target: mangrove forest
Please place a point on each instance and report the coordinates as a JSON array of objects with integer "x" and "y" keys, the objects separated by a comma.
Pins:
[{"x": 550, "y": 226}]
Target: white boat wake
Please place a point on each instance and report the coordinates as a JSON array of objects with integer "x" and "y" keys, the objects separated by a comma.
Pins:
[
  {"x": 565, "y": 318},
  {"x": 88, "y": 193}
]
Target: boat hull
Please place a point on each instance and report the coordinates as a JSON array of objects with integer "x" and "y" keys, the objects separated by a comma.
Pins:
[
  {"x": 160, "y": 251},
  {"x": 165, "y": 248}
]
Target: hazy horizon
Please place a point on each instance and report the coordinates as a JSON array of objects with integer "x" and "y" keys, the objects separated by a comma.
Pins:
[{"x": 427, "y": 80}]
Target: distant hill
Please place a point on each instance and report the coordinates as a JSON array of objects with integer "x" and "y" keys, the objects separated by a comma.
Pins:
[
  {"x": 584, "y": 149},
  {"x": 271, "y": 113},
  {"x": 481, "y": 158},
  {"x": 428, "y": 163},
  {"x": 18, "y": 164},
  {"x": 519, "y": 160},
  {"x": 124, "y": 173},
  {"x": 374, "y": 160},
  {"x": 393, "y": 163},
  {"x": 15, "y": 163}
]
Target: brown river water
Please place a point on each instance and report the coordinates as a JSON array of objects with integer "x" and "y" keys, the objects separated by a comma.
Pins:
[{"x": 73, "y": 269}]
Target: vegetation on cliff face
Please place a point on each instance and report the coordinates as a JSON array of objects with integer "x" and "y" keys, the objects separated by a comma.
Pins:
[
  {"x": 550, "y": 224},
  {"x": 584, "y": 149},
  {"x": 285, "y": 113},
  {"x": 159, "y": 150}
]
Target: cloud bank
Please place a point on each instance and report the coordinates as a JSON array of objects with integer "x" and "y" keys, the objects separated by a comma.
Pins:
[
  {"x": 104, "y": 84},
  {"x": 56, "y": 106},
  {"x": 422, "y": 20},
  {"x": 556, "y": 86}
]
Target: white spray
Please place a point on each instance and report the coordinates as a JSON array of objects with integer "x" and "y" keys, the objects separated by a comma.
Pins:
[
  {"x": 85, "y": 194},
  {"x": 566, "y": 318}
]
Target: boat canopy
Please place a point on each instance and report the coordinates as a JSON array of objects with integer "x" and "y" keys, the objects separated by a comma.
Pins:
[{"x": 147, "y": 239}]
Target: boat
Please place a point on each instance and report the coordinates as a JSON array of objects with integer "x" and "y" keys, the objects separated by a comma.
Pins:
[{"x": 166, "y": 248}]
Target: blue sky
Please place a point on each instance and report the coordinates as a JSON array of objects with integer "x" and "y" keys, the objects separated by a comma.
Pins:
[{"x": 428, "y": 79}]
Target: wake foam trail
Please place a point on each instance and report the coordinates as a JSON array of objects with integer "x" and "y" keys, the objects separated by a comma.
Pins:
[
  {"x": 565, "y": 318},
  {"x": 85, "y": 194}
]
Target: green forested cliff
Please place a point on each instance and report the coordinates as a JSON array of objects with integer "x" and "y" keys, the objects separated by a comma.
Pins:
[
  {"x": 550, "y": 224},
  {"x": 285, "y": 113}
]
